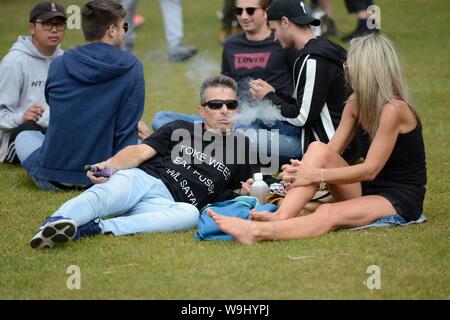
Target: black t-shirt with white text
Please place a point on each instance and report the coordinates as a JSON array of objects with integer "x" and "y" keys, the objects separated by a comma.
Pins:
[{"x": 197, "y": 165}]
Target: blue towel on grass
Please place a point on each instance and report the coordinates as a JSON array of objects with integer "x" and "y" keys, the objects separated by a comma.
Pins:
[
  {"x": 390, "y": 221},
  {"x": 238, "y": 207}
]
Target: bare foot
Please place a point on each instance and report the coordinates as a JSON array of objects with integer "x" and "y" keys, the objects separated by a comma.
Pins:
[
  {"x": 264, "y": 216},
  {"x": 242, "y": 230}
]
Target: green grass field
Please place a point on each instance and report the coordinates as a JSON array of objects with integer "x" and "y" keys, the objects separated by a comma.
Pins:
[{"x": 414, "y": 260}]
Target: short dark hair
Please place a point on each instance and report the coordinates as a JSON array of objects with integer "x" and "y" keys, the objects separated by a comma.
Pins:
[
  {"x": 220, "y": 81},
  {"x": 98, "y": 15},
  {"x": 263, "y": 3}
]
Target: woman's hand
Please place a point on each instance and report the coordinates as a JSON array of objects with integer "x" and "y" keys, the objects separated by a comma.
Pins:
[{"x": 299, "y": 174}]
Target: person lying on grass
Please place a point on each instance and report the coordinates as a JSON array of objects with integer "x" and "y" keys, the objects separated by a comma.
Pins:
[
  {"x": 390, "y": 181},
  {"x": 159, "y": 185}
]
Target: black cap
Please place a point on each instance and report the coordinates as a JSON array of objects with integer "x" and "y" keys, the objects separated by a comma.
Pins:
[
  {"x": 46, "y": 10},
  {"x": 294, "y": 10}
]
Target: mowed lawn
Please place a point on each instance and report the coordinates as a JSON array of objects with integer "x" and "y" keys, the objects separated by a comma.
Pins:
[{"x": 413, "y": 260}]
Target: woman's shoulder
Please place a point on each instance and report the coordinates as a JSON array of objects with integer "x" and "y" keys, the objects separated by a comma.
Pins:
[{"x": 402, "y": 112}]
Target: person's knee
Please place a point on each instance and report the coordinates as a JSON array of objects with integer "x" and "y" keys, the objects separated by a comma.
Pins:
[
  {"x": 317, "y": 147},
  {"x": 190, "y": 213},
  {"x": 27, "y": 142},
  {"x": 320, "y": 150},
  {"x": 159, "y": 119}
]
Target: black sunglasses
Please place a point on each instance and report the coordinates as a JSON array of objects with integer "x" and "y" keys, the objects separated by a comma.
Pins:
[
  {"x": 250, "y": 10},
  {"x": 218, "y": 104},
  {"x": 125, "y": 26}
]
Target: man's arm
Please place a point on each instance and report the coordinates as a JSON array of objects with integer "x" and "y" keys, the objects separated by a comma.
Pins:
[
  {"x": 10, "y": 87},
  {"x": 311, "y": 95},
  {"x": 130, "y": 157}
]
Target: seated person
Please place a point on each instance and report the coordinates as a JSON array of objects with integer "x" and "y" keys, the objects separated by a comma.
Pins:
[
  {"x": 160, "y": 185},
  {"x": 391, "y": 180},
  {"x": 253, "y": 54},
  {"x": 97, "y": 96},
  {"x": 23, "y": 72},
  {"x": 320, "y": 93}
]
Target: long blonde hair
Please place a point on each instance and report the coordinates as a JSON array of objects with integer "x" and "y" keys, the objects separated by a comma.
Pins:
[{"x": 376, "y": 78}]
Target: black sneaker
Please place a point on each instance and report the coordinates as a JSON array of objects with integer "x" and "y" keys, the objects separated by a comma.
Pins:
[
  {"x": 89, "y": 229},
  {"x": 54, "y": 230},
  {"x": 182, "y": 53},
  {"x": 361, "y": 30},
  {"x": 328, "y": 27}
]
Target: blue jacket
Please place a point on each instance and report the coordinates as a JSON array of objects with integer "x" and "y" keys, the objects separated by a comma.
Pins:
[{"x": 96, "y": 98}]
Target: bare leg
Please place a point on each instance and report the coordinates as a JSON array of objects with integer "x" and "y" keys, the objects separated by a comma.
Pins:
[
  {"x": 346, "y": 214},
  {"x": 319, "y": 155}
]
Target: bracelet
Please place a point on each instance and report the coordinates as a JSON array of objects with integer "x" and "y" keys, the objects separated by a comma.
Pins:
[
  {"x": 274, "y": 231},
  {"x": 322, "y": 185}
]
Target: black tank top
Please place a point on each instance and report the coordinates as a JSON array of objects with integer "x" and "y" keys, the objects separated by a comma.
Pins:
[{"x": 407, "y": 164}]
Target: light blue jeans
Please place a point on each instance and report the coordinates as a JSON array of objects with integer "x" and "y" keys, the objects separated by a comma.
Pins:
[
  {"x": 134, "y": 202},
  {"x": 289, "y": 144},
  {"x": 164, "y": 117},
  {"x": 26, "y": 143}
]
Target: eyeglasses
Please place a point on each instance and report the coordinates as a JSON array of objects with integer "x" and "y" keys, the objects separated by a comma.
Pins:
[
  {"x": 218, "y": 104},
  {"x": 125, "y": 26},
  {"x": 250, "y": 10},
  {"x": 48, "y": 26}
]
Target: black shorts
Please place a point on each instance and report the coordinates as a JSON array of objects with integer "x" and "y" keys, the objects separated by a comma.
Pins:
[
  {"x": 354, "y": 6},
  {"x": 406, "y": 199}
]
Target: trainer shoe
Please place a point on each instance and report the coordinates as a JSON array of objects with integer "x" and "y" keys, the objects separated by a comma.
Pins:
[
  {"x": 54, "y": 230},
  {"x": 89, "y": 229},
  {"x": 182, "y": 53}
]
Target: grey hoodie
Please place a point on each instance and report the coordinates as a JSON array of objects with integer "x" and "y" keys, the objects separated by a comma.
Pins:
[{"x": 23, "y": 73}]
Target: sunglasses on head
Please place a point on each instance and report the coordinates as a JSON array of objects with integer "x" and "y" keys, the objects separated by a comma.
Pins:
[
  {"x": 218, "y": 104},
  {"x": 250, "y": 10}
]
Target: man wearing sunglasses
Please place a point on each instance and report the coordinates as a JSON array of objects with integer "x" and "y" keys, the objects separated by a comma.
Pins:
[
  {"x": 320, "y": 91},
  {"x": 23, "y": 73},
  {"x": 96, "y": 94},
  {"x": 160, "y": 185},
  {"x": 253, "y": 54}
]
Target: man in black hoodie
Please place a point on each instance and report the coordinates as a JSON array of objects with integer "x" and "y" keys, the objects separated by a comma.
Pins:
[{"x": 320, "y": 91}]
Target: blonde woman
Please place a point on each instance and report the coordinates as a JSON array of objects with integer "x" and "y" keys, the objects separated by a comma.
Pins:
[{"x": 392, "y": 178}]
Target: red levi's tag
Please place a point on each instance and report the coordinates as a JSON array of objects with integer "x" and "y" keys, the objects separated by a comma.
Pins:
[{"x": 251, "y": 60}]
